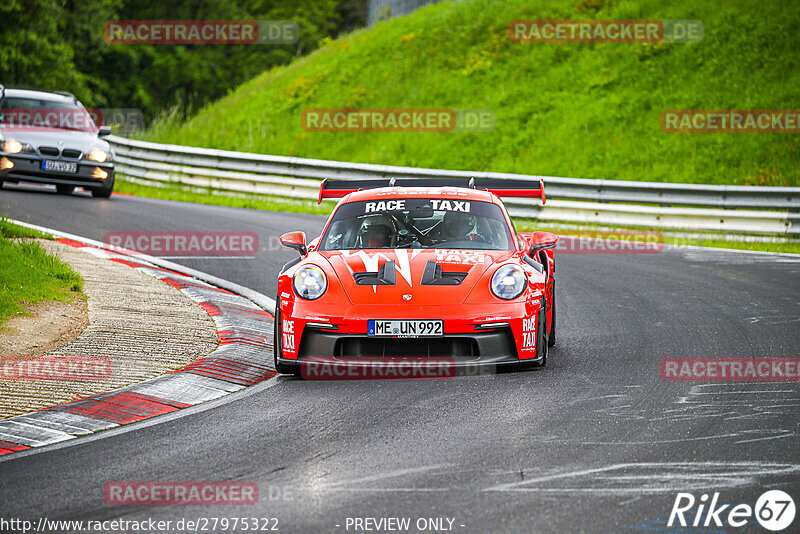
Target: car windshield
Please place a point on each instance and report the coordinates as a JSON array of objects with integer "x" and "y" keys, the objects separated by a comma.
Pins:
[
  {"x": 21, "y": 114},
  {"x": 417, "y": 223}
]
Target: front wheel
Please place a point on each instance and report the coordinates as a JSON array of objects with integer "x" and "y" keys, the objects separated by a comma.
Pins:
[
  {"x": 551, "y": 340},
  {"x": 102, "y": 193},
  {"x": 542, "y": 344}
]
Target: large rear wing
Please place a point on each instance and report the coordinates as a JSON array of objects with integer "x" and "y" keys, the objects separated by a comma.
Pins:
[{"x": 502, "y": 187}]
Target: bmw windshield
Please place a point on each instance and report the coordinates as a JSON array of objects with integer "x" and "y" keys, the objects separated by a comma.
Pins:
[
  {"x": 37, "y": 114},
  {"x": 417, "y": 224}
]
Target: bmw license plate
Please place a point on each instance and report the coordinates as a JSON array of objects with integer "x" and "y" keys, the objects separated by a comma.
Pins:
[
  {"x": 404, "y": 328},
  {"x": 59, "y": 166}
]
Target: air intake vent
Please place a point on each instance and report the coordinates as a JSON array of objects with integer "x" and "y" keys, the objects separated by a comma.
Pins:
[
  {"x": 48, "y": 150},
  {"x": 71, "y": 153},
  {"x": 433, "y": 276},
  {"x": 384, "y": 277}
]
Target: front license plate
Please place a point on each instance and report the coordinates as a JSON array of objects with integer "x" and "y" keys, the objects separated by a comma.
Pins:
[
  {"x": 59, "y": 166},
  {"x": 393, "y": 328}
]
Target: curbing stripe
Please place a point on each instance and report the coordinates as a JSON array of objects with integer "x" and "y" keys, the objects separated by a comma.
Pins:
[
  {"x": 8, "y": 448},
  {"x": 244, "y": 326}
]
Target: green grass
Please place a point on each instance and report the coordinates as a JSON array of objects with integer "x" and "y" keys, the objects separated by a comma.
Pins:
[
  {"x": 220, "y": 198},
  {"x": 28, "y": 274},
  {"x": 572, "y": 109},
  {"x": 11, "y": 231}
]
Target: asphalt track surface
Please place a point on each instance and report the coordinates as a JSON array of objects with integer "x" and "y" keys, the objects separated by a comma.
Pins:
[{"x": 596, "y": 442}]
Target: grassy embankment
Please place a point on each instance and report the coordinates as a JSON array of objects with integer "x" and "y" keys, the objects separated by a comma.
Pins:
[
  {"x": 28, "y": 274},
  {"x": 572, "y": 109}
]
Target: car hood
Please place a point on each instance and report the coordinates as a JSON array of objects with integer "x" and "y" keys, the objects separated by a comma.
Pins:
[
  {"x": 410, "y": 266},
  {"x": 83, "y": 141}
]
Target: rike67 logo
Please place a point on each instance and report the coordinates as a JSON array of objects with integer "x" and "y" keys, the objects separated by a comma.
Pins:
[{"x": 774, "y": 510}]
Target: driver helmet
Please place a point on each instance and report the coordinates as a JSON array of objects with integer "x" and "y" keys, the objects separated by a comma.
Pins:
[
  {"x": 458, "y": 224},
  {"x": 376, "y": 232}
]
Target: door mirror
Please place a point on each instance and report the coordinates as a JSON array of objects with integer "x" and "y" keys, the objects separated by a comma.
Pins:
[
  {"x": 541, "y": 241},
  {"x": 104, "y": 131},
  {"x": 295, "y": 240}
]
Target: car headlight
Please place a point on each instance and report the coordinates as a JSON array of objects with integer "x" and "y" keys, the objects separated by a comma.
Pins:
[
  {"x": 310, "y": 282},
  {"x": 12, "y": 146},
  {"x": 97, "y": 155},
  {"x": 508, "y": 282}
]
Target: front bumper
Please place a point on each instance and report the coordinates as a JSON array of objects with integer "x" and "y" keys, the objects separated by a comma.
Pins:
[
  {"x": 474, "y": 335},
  {"x": 28, "y": 168}
]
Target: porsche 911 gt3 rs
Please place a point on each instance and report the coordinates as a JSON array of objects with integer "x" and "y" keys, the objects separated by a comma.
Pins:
[{"x": 422, "y": 268}]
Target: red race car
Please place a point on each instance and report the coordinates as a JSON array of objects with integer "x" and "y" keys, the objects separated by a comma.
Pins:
[{"x": 420, "y": 268}]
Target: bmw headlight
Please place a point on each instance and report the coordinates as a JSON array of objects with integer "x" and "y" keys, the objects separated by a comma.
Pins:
[
  {"x": 12, "y": 146},
  {"x": 508, "y": 282},
  {"x": 310, "y": 282},
  {"x": 98, "y": 155}
]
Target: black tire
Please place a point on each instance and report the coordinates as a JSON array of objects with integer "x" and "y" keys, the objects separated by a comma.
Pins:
[
  {"x": 102, "y": 193},
  {"x": 551, "y": 340},
  {"x": 542, "y": 344},
  {"x": 276, "y": 344},
  {"x": 63, "y": 189}
]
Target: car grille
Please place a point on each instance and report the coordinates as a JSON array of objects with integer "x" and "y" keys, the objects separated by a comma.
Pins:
[
  {"x": 54, "y": 151},
  {"x": 411, "y": 347}
]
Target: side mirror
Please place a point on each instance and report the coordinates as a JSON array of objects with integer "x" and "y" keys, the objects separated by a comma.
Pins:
[
  {"x": 541, "y": 241},
  {"x": 295, "y": 240},
  {"x": 104, "y": 131}
]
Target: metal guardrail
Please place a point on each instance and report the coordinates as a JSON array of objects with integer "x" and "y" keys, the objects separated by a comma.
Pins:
[{"x": 683, "y": 207}]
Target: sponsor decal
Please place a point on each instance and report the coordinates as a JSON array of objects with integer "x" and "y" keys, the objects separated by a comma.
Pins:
[
  {"x": 450, "y": 205},
  {"x": 384, "y": 205},
  {"x": 287, "y": 333},
  {"x": 401, "y": 259},
  {"x": 461, "y": 257},
  {"x": 529, "y": 333}
]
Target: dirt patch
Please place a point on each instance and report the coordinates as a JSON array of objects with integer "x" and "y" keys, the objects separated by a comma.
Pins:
[{"x": 48, "y": 326}]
